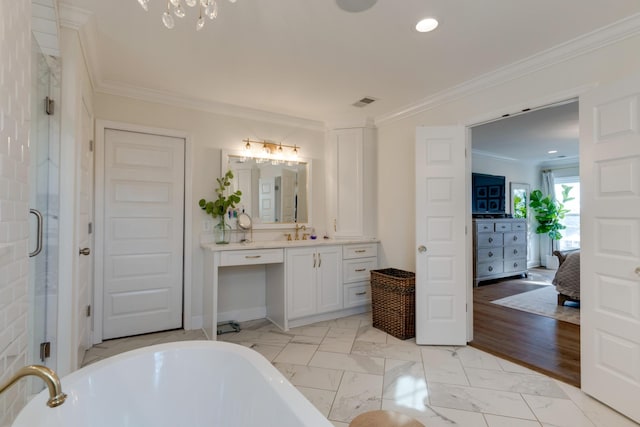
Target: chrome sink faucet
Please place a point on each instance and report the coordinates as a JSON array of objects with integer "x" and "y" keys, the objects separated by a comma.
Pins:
[{"x": 50, "y": 378}]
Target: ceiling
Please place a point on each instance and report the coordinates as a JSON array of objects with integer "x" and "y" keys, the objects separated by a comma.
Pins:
[
  {"x": 311, "y": 59},
  {"x": 531, "y": 136}
]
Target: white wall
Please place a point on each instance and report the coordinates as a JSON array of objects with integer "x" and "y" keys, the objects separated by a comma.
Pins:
[
  {"x": 396, "y": 146},
  {"x": 15, "y": 89},
  {"x": 210, "y": 134}
]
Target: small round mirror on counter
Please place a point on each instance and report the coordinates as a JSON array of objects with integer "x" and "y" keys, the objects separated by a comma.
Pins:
[
  {"x": 244, "y": 224},
  {"x": 244, "y": 221}
]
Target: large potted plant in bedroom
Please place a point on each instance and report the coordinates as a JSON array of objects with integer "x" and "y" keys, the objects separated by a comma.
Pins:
[
  {"x": 549, "y": 213},
  {"x": 219, "y": 207}
]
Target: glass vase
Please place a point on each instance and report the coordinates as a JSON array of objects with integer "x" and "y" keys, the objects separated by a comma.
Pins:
[{"x": 222, "y": 232}]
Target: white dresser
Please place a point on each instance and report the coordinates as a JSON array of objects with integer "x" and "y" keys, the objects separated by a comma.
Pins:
[{"x": 499, "y": 248}]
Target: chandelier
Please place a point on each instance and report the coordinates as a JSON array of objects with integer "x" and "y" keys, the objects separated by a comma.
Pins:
[{"x": 208, "y": 9}]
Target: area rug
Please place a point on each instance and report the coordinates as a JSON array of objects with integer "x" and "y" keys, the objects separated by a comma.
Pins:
[{"x": 543, "y": 301}]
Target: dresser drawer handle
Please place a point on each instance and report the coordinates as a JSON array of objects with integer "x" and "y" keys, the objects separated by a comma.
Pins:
[
  {"x": 360, "y": 270},
  {"x": 361, "y": 251},
  {"x": 490, "y": 239},
  {"x": 253, "y": 256},
  {"x": 361, "y": 293},
  {"x": 490, "y": 254},
  {"x": 490, "y": 268},
  {"x": 515, "y": 252},
  {"x": 515, "y": 265},
  {"x": 515, "y": 238}
]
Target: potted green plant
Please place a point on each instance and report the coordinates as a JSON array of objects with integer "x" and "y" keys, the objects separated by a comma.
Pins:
[
  {"x": 219, "y": 207},
  {"x": 549, "y": 213}
]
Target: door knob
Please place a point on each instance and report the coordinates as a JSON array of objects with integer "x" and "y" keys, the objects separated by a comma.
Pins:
[
  {"x": 422, "y": 249},
  {"x": 85, "y": 251}
]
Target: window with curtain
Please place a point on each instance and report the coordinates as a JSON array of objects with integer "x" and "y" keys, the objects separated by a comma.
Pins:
[{"x": 570, "y": 235}]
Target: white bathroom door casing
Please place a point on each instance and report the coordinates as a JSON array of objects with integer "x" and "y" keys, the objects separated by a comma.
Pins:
[
  {"x": 143, "y": 233},
  {"x": 441, "y": 260},
  {"x": 610, "y": 245}
]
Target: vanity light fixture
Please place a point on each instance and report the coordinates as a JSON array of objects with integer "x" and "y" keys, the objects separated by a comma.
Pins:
[
  {"x": 426, "y": 25},
  {"x": 270, "y": 151},
  {"x": 208, "y": 9}
]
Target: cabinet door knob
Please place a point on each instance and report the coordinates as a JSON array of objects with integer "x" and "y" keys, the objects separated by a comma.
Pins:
[
  {"x": 422, "y": 249},
  {"x": 490, "y": 239}
]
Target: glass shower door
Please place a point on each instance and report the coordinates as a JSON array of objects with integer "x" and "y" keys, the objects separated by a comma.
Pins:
[{"x": 43, "y": 202}]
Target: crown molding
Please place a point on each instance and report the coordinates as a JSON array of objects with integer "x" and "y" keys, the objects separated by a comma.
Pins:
[
  {"x": 489, "y": 155},
  {"x": 581, "y": 45},
  {"x": 172, "y": 99},
  {"x": 83, "y": 22}
]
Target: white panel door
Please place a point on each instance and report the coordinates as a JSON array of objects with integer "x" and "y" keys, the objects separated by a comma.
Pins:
[
  {"x": 610, "y": 236},
  {"x": 441, "y": 264},
  {"x": 267, "y": 199},
  {"x": 288, "y": 196},
  {"x": 85, "y": 236},
  {"x": 143, "y": 247}
]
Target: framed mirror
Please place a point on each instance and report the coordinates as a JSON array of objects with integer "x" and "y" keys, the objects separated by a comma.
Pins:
[
  {"x": 519, "y": 199},
  {"x": 274, "y": 194}
]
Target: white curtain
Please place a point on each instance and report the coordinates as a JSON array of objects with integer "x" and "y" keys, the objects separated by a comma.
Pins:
[
  {"x": 548, "y": 183},
  {"x": 548, "y": 188}
]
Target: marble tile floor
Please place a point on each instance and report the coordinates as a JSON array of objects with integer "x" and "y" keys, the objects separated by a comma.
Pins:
[{"x": 346, "y": 367}]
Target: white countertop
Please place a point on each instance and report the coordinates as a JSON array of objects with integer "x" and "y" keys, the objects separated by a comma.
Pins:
[{"x": 274, "y": 244}]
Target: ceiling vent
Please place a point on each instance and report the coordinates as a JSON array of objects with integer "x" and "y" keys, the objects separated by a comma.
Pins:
[{"x": 364, "y": 102}]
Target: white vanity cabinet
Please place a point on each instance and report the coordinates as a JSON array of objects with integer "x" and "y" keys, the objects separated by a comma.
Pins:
[
  {"x": 357, "y": 263},
  {"x": 351, "y": 158},
  {"x": 313, "y": 280}
]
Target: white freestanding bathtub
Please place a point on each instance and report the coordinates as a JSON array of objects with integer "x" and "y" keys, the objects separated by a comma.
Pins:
[{"x": 188, "y": 383}]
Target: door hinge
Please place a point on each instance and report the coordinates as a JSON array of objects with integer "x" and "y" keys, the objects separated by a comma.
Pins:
[
  {"x": 90, "y": 228},
  {"x": 91, "y": 145},
  {"x": 48, "y": 106},
  {"x": 89, "y": 311},
  {"x": 45, "y": 350}
]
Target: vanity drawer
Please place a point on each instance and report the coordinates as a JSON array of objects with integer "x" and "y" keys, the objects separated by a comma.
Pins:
[
  {"x": 357, "y": 270},
  {"x": 356, "y": 294},
  {"x": 520, "y": 225},
  {"x": 364, "y": 250},
  {"x": 251, "y": 256}
]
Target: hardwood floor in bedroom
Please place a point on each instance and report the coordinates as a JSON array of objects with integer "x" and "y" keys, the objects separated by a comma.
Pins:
[{"x": 541, "y": 343}]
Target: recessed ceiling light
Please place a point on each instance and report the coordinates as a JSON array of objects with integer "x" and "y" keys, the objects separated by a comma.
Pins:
[
  {"x": 355, "y": 5},
  {"x": 552, "y": 151},
  {"x": 426, "y": 25}
]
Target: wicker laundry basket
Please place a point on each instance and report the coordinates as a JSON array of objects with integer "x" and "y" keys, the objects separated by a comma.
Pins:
[{"x": 393, "y": 301}]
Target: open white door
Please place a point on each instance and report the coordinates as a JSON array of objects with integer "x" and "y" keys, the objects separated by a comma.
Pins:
[
  {"x": 610, "y": 236},
  {"x": 441, "y": 263}
]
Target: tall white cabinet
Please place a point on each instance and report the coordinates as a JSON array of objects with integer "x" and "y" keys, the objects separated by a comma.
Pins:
[{"x": 352, "y": 162}]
